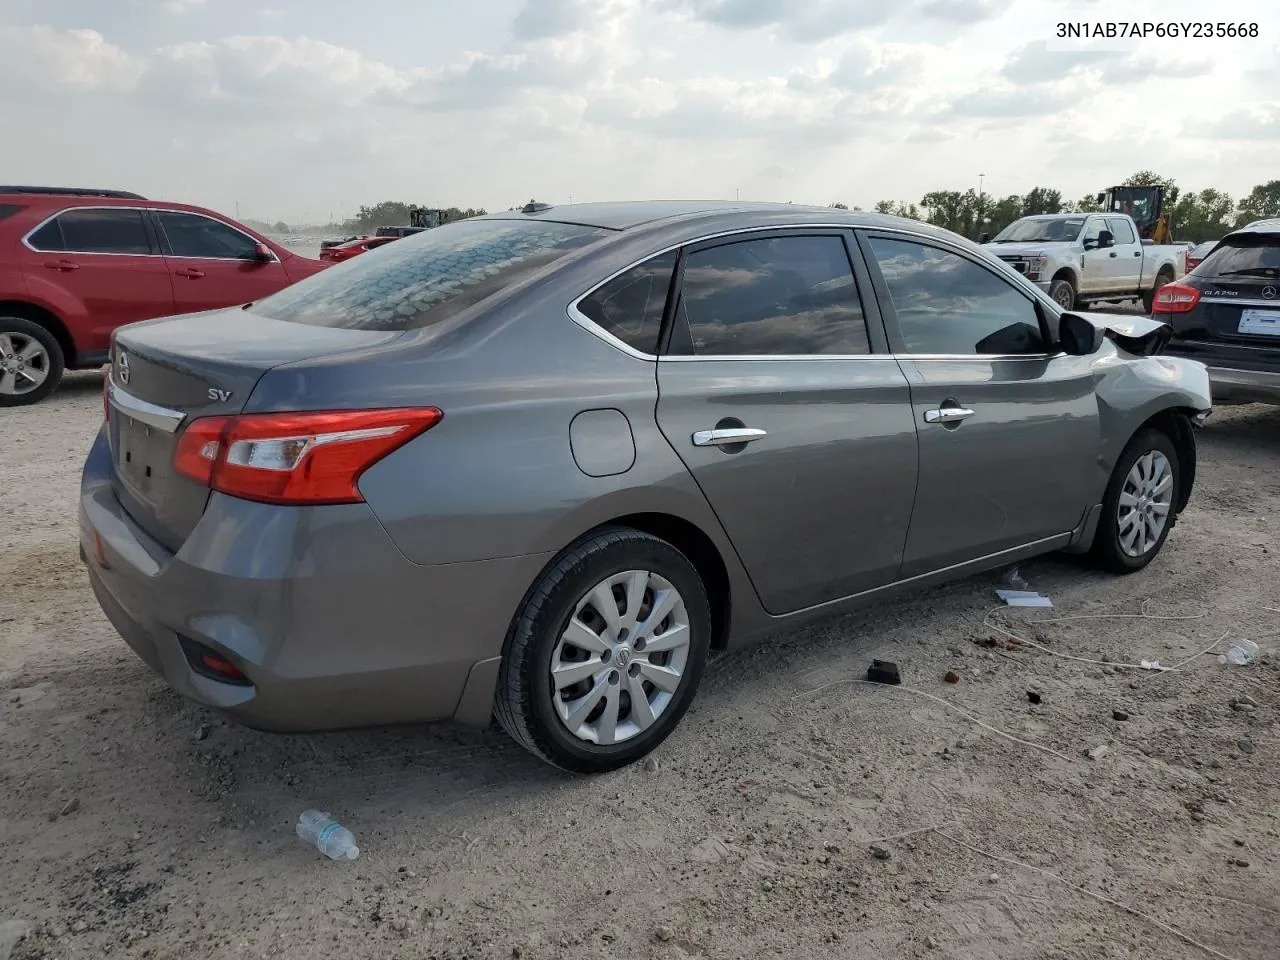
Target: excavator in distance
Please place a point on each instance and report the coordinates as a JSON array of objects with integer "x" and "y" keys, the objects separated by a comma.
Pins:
[{"x": 1145, "y": 205}]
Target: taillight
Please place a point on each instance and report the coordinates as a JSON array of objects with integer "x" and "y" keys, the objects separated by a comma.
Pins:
[
  {"x": 295, "y": 458},
  {"x": 1175, "y": 298}
]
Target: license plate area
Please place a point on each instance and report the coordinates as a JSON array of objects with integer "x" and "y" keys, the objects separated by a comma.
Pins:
[
  {"x": 142, "y": 455},
  {"x": 1259, "y": 323}
]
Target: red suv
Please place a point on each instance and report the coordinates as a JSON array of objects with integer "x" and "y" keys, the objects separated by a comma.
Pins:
[{"x": 76, "y": 264}]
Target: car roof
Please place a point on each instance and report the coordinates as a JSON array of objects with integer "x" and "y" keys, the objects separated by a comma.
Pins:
[
  {"x": 1270, "y": 225},
  {"x": 29, "y": 191},
  {"x": 709, "y": 214}
]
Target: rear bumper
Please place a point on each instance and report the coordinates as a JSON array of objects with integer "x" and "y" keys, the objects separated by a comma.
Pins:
[
  {"x": 332, "y": 625},
  {"x": 1232, "y": 385}
]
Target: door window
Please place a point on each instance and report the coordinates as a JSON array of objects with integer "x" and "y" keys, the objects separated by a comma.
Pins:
[
  {"x": 191, "y": 235},
  {"x": 630, "y": 305},
  {"x": 94, "y": 230},
  {"x": 946, "y": 304},
  {"x": 778, "y": 296},
  {"x": 1092, "y": 231},
  {"x": 1122, "y": 231}
]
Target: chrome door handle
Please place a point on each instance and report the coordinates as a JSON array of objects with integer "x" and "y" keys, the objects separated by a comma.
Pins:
[
  {"x": 947, "y": 415},
  {"x": 724, "y": 438}
]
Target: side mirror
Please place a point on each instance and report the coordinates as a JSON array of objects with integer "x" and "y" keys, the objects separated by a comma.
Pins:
[
  {"x": 1106, "y": 238},
  {"x": 1078, "y": 337},
  {"x": 262, "y": 253},
  {"x": 985, "y": 238}
]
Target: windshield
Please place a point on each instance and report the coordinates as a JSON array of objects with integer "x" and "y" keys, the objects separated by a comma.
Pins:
[
  {"x": 427, "y": 277},
  {"x": 1254, "y": 256},
  {"x": 1049, "y": 231}
]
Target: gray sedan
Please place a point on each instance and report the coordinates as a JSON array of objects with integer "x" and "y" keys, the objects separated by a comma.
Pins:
[{"x": 538, "y": 464}]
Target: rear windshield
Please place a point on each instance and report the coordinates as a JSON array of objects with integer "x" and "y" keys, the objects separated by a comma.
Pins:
[
  {"x": 427, "y": 277},
  {"x": 1249, "y": 256}
]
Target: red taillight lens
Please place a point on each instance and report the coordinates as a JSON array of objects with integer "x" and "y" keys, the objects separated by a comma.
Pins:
[
  {"x": 296, "y": 458},
  {"x": 1175, "y": 298}
]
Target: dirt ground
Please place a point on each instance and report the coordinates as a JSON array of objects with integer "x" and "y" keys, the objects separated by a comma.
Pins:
[{"x": 134, "y": 824}]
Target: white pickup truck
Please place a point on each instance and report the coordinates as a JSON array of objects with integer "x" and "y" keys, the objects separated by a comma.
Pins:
[{"x": 1085, "y": 258}]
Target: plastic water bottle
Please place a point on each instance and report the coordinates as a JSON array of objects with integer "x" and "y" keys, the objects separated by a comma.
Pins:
[
  {"x": 1241, "y": 653},
  {"x": 327, "y": 835}
]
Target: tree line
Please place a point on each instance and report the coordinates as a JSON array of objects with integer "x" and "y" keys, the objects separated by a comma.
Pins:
[{"x": 1196, "y": 215}]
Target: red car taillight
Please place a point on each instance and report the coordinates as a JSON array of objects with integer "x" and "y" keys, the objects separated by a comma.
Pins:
[
  {"x": 295, "y": 458},
  {"x": 1175, "y": 298}
]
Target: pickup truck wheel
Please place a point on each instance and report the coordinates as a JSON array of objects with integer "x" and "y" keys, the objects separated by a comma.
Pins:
[
  {"x": 1063, "y": 294},
  {"x": 1149, "y": 298},
  {"x": 31, "y": 362}
]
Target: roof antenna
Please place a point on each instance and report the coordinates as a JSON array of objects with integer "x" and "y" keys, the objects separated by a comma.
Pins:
[{"x": 533, "y": 206}]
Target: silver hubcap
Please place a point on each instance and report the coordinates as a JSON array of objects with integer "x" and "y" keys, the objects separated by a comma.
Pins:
[
  {"x": 620, "y": 660},
  {"x": 1145, "y": 502},
  {"x": 24, "y": 363}
]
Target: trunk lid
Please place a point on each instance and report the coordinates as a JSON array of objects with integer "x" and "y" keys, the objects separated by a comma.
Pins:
[{"x": 167, "y": 372}]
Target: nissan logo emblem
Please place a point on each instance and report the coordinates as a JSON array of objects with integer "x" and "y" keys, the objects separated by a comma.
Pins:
[
  {"x": 1268, "y": 293},
  {"x": 122, "y": 368}
]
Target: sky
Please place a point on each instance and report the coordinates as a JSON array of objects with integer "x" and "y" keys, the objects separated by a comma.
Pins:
[{"x": 301, "y": 110}]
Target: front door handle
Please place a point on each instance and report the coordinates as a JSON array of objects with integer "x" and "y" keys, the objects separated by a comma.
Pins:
[
  {"x": 726, "y": 437},
  {"x": 191, "y": 273},
  {"x": 1113, "y": 253},
  {"x": 947, "y": 415},
  {"x": 64, "y": 265},
  {"x": 1137, "y": 253}
]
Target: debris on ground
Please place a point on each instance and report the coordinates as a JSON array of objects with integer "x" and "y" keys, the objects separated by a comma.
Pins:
[
  {"x": 1015, "y": 580},
  {"x": 1098, "y": 752},
  {"x": 327, "y": 835},
  {"x": 11, "y": 931},
  {"x": 650, "y": 765},
  {"x": 663, "y": 933},
  {"x": 1150, "y": 665},
  {"x": 880, "y": 851},
  {"x": 1246, "y": 746},
  {"x": 1034, "y": 696},
  {"x": 1240, "y": 654},
  {"x": 884, "y": 671},
  {"x": 1024, "y": 598},
  {"x": 951, "y": 677},
  {"x": 1119, "y": 715},
  {"x": 202, "y": 732}
]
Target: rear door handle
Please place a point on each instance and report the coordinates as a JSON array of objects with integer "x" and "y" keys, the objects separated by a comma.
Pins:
[
  {"x": 1114, "y": 254},
  {"x": 61, "y": 265},
  {"x": 1137, "y": 253},
  {"x": 191, "y": 273},
  {"x": 947, "y": 415},
  {"x": 727, "y": 437}
]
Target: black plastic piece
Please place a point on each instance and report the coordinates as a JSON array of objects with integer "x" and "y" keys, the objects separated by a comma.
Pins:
[{"x": 884, "y": 671}]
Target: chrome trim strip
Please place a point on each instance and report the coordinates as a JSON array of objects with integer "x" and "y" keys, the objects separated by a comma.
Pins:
[
  {"x": 153, "y": 415},
  {"x": 1273, "y": 304},
  {"x": 154, "y": 256},
  {"x": 582, "y": 320}
]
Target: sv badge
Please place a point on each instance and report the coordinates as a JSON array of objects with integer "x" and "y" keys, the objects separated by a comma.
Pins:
[{"x": 221, "y": 396}]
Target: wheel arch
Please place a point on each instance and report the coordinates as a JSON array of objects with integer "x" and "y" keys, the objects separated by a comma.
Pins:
[
  {"x": 1175, "y": 423},
  {"x": 47, "y": 319}
]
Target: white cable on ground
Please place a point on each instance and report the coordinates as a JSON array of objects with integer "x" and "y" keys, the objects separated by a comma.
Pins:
[
  {"x": 1179, "y": 666},
  {"x": 936, "y": 699},
  {"x": 1089, "y": 893},
  {"x": 991, "y": 624}
]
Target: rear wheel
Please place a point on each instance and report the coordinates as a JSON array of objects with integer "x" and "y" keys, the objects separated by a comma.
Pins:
[
  {"x": 1139, "y": 507},
  {"x": 1149, "y": 298},
  {"x": 606, "y": 655},
  {"x": 1063, "y": 293},
  {"x": 31, "y": 362}
]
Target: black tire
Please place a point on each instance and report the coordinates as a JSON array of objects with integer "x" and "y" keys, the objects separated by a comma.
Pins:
[
  {"x": 1063, "y": 294},
  {"x": 1149, "y": 298},
  {"x": 54, "y": 361},
  {"x": 524, "y": 701},
  {"x": 1108, "y": 551}
]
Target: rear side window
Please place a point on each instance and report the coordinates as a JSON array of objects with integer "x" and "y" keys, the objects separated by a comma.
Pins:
[
  {"x": 1256, "y": 255},
  {"x": 191, "y": 235},
  {"x": 94, "y": 230},
  {"x": 428, "y": 277},
  {"x": 783, "y": 296},
  {"x": 630, "y": 305}
]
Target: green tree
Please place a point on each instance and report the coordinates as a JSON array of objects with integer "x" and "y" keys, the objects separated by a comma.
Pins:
[
  {"x": 1041, "y": 200},
  {"x": 1206, "y": 215},
  {"x": 839, "y": 206},
  {"x": 1087, "y": 204},
  {"x": 1003, "y": 212},
  {"x": 281, "y": 227},
  {"x": 1262, "y": 203},
  {"x": 1149, "y": 178}
]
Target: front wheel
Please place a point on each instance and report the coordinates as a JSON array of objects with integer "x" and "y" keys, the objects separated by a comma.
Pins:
[
  {"x": 1063, "y": 294},
  {"x": 31, "y": 362},
  {"x": 1138, "y": 509},
  {"x": 606, "y": 654}
]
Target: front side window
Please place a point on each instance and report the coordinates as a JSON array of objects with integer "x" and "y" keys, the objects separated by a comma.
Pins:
[
  {"x": 630, "y": 305},
  {"x": 781, "y": 296},
  {"x": 946, "y": 304},
  {"x": 1093, "y": 233},
  {"x": 94, "y": 230},
  {"x": 429, "y": 276},
  {"x": 191, "y": 235}
]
